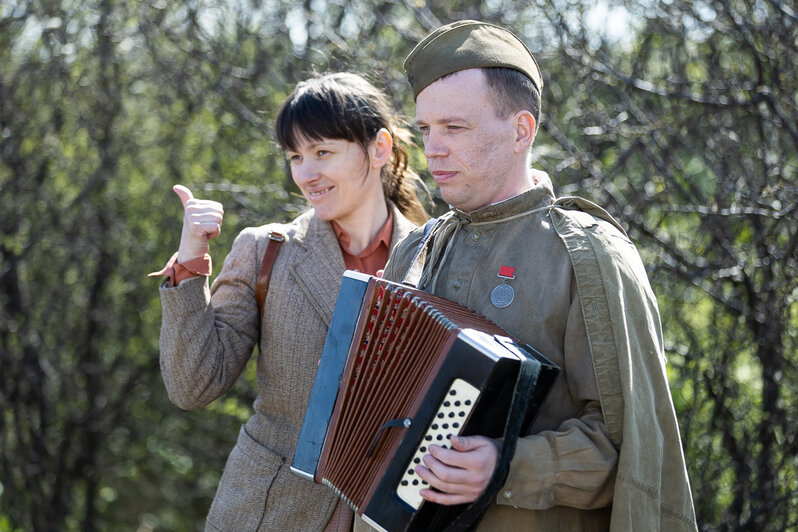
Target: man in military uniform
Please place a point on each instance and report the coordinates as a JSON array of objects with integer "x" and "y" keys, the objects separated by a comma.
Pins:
[{"x": 558, "y": 274}]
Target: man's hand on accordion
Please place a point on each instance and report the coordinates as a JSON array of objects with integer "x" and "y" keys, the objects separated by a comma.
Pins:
[{"x": 460, "y": 474}]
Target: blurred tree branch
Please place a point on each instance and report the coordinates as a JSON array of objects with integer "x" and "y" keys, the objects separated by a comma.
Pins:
[{"x": 683, "y": 125}]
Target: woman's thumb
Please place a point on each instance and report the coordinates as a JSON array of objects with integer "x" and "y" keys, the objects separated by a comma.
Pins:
[{"x": 183, "y": 193}]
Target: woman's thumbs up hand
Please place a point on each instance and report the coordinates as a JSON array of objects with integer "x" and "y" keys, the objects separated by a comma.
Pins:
[{"x": 202, "y": 220}]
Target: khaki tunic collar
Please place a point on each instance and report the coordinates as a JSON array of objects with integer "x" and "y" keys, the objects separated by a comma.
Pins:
[
  {"x": 540, "y": 196},
  {"x": 443, "y": 235}
]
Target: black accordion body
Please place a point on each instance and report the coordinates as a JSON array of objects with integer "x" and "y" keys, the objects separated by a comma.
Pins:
[{"x": 402, "y": 369}]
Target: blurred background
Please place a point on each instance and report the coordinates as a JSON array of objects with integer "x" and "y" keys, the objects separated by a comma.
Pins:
[{"x": 680, "y": 117}]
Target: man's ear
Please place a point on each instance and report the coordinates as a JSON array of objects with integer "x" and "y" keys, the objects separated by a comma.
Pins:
[
  {"x": 524, "y": 131},
  {"x": 381, "y": 148}
]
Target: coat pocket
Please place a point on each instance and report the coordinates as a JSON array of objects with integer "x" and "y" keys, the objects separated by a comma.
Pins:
[{"x": 240, "y": 500}]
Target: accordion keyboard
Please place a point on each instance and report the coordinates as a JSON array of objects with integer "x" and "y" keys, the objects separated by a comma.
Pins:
[{"x": 448, "y": 421}]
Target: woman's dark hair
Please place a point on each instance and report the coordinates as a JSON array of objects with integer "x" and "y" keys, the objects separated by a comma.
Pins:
[{"x": 346, "y": 106}]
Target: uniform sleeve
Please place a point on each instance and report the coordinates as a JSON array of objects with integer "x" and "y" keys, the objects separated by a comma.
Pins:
[
  {"x": 207, "y": 335},
  {"x": 574, "y": 464}
]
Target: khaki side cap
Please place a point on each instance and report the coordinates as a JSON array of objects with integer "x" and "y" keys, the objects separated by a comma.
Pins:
[{"x": 468, "y": 44}]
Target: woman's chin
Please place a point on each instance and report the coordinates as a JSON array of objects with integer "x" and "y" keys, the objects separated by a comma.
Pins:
[{"x": 327, "y": 215}]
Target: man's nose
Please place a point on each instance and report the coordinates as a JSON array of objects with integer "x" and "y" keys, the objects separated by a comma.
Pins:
[{"x": 434, "y": 146}]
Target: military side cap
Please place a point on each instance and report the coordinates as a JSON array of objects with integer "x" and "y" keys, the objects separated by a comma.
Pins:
[{"x": 468, "y": 44}]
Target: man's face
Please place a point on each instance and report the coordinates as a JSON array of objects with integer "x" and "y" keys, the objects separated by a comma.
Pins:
[{"x": 469, "y": 148}]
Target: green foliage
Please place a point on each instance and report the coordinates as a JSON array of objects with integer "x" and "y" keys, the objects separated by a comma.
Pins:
[
  {"x": 687, "y": 135},
  {"x": 683, "y": 126}
]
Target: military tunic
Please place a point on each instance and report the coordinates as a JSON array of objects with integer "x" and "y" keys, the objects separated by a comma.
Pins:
[
  {"x": 569, "y": 461},
  {"x": 604, "y": 452}
]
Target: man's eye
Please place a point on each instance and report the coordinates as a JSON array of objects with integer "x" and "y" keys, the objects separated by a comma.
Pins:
[{"x": 424, "y": 129}]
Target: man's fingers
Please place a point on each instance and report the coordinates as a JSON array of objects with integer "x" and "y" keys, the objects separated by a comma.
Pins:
[
  {"x": 458, "y": 474},
  {"x": 443, "y": 473},
  {"x": 450, "y": 484},
  {"x": 445, "y": 499},
  {"x": 466, "y": 452},
  {"x": 466, "y": 443},
  {"x": 183, "y": 193}
]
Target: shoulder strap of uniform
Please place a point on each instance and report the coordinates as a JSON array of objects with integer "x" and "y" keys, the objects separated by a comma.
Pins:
[{"x": 575, "y": 203}]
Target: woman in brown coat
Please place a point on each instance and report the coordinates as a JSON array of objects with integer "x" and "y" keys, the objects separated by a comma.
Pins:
[{"x": 341, "y": 140}]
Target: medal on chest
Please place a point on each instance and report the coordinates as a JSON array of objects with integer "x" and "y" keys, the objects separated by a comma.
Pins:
[{"x": 503, "y": 295}]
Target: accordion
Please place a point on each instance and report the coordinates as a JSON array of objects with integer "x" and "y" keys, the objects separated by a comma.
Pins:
[{"x": 402, "y": 369}]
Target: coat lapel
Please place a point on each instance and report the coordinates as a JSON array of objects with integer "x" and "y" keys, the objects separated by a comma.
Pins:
[{"x": 319, "y": 269}]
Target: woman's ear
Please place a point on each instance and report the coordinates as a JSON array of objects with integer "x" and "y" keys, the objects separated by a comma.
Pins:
[
  {"x": 381, "y": 148},
  {"x": 524, "y": 131}
]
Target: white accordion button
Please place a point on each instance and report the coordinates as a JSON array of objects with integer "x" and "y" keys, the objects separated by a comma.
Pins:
[{"x": 447, "y": 422}]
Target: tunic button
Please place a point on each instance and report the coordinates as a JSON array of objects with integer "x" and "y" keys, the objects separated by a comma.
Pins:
[
  {"x": 508, "y": 494},
  {"x": 475, "y": 236},
  {"x": 457, "y": 284}
]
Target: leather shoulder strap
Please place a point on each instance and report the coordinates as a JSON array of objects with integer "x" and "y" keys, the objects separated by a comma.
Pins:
[{"x": 262, "y": 286}]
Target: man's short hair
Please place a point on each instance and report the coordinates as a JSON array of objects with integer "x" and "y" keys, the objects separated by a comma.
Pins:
[{"x": 512, "y": 92}]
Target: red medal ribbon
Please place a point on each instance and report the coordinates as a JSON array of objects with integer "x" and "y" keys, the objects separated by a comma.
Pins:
[{"x": 507, "y": 272}]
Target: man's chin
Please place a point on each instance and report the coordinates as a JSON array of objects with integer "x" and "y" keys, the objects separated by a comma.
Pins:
[
  {"x": 451, "y": 196},
  {"x": 456, "y": 200}
]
